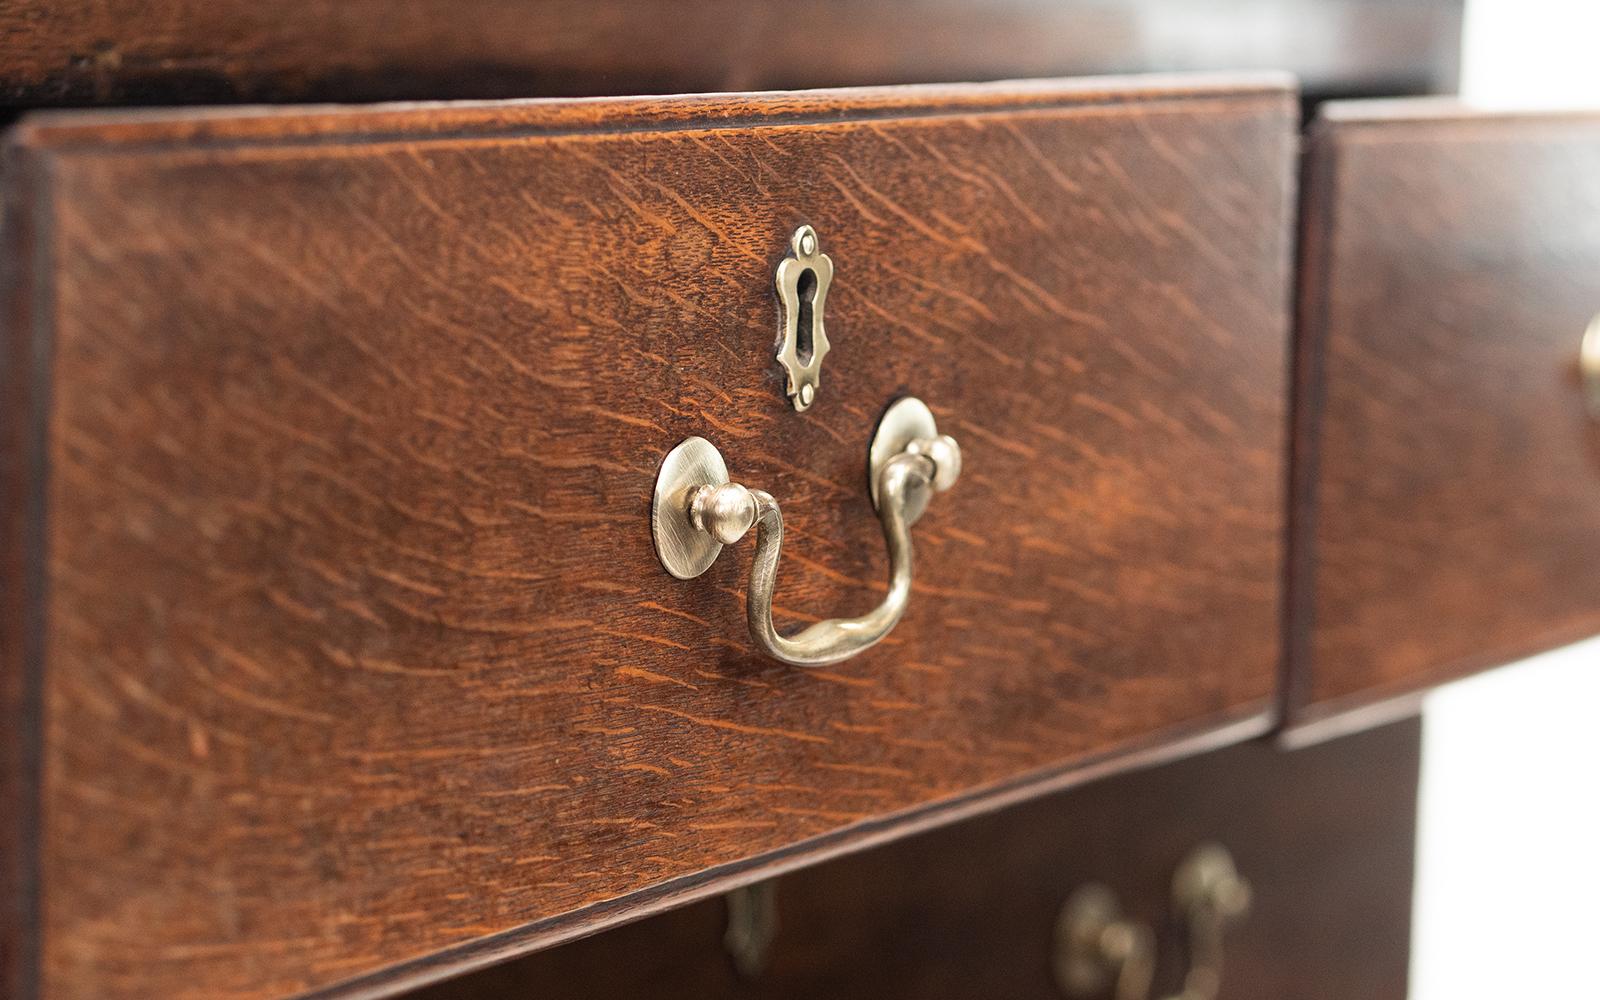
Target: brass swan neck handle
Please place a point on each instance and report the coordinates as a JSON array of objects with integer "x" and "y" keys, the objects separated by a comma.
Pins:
[
  {"x": 697, "y": 511},
  {"x": 836, "y": 638}
]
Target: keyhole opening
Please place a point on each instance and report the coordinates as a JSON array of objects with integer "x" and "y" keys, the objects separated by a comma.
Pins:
[{"x": 803, "y": 340}]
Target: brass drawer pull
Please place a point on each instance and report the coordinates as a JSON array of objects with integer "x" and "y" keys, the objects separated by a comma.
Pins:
[
  {"x": 1589, "y": 363},
  {"x": 1100, "y": 953},
  {"x": 697, "y": 510},
  {"x": 752, "y": 927}
]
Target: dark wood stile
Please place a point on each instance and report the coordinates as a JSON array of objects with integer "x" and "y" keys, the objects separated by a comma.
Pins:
[{"x": 23, "y": 389}]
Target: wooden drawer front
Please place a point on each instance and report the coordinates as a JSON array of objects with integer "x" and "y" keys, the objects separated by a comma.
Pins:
[
  {"x": 356, "y": 645},
  {"x": 1448, "y": 475}
]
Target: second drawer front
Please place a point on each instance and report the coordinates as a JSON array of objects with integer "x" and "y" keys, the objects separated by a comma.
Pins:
[
  {"x": 357, "y": 647},
  {"x": 1448, "y": 504}
]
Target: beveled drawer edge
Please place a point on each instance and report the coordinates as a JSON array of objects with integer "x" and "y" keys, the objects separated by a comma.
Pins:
[
  {"x": 212, "y": 128},
  {"x": 1437, "y": 116},
  {"x": 1152, "y": 750},
  {"x": 1371, "y": 707}
]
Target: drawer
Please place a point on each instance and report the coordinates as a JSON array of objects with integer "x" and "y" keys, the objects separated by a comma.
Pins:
[
  {"x": 1323, "y": 835},
  {"x": 1447, "y": 471},
  {"x": 344, "y": 630}
]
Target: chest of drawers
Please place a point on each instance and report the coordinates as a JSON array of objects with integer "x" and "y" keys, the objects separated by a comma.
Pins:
[{"x": 363, "y": 479}]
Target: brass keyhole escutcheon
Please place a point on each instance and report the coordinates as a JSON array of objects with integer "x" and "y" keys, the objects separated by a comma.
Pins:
[{"x": 802, "y": 279}]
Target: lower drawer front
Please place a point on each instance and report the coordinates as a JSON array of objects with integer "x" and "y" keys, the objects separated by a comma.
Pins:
[
  {"x": 1324, "y": 837},
  {"x": 1449, "y": 494},
  {"x": 356, "y": 645}
]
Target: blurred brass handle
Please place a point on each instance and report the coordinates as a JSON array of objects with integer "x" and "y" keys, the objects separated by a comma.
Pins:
[
  {"x": 1589, "y": 364},
  {"x": 1100, "y": 953},
  {"x": 697, "y": 511}
]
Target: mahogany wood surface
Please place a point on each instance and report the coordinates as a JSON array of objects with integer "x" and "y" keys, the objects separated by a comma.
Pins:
[
  {"x": 1324, "y": 835},
  {"x": 354, "y": 645},
  {"x": 1447, "y": 473},
  {"x": 187, "y": 51}
]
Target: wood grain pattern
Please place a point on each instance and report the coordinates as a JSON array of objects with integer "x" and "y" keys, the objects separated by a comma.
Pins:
[
  {"x": 1325, "y": 836},
  {"x": 1448, "y": 476},
  {"x": 110, "y": 52},
  {"x": 356, "y": 648}
]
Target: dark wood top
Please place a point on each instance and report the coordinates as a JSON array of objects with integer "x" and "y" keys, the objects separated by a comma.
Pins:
[{"x": 119, "y": 52}]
